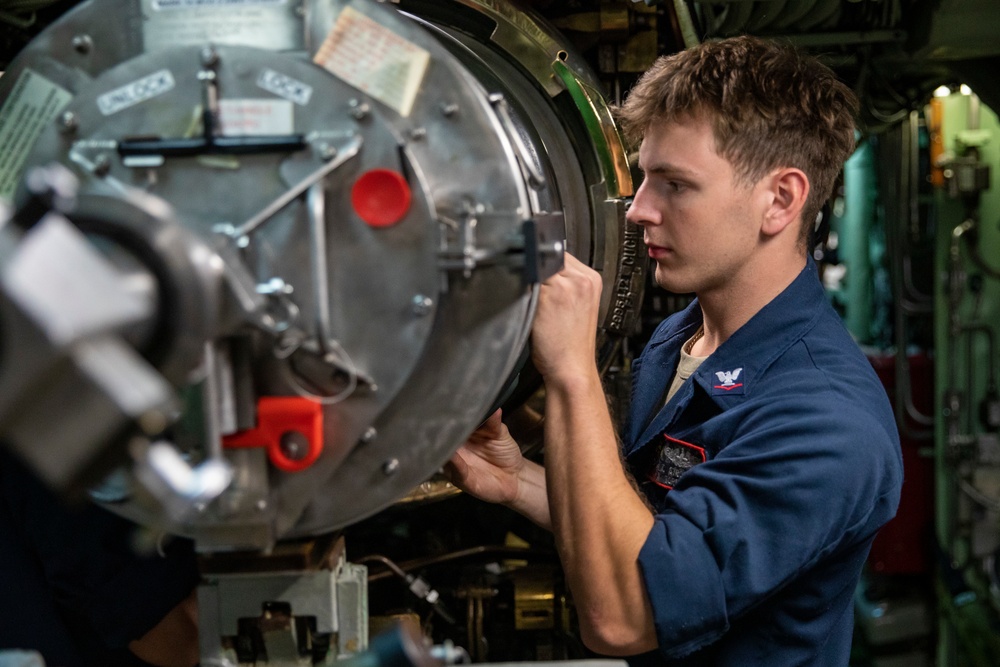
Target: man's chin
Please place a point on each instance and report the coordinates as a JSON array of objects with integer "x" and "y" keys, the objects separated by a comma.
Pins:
[{"x": 670, "y": 281}]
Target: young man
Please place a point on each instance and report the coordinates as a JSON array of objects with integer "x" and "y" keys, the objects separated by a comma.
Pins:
[{"x": 763, "y": 448}]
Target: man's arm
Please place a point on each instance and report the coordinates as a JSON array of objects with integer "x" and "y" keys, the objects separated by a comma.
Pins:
[
  {"x": 490, "y": 467},
  {"x": 599, "y": 521}
]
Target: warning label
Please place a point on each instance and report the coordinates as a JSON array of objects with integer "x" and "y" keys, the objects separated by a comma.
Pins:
[
  {"x": 32, "y": 105},
  {"x": 373, "y": 58}
]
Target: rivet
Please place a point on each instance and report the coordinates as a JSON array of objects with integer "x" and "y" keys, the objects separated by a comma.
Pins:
[
  {"x": 390, "y": 467},
  {"x": 69, "y": 122},
  {"x": 368, "y": 435},
  {"x": 422, "y": 305},
  {"x": 359, "y": 110},
  {"x": 83, "y": 44},
  {"x": 209, "y": 57},
  {"x": 102, "y": 165},
  {"x": 449, "y": 109},
  {"x": 327, "y": 152}
]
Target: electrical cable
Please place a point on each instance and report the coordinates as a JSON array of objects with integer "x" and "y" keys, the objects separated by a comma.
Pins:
[
  {"x": 982, "y": 499},
  {"x": 417, "y": 585}
]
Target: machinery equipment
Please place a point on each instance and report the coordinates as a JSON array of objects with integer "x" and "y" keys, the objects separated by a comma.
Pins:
[{"x": 268, "y": 263}]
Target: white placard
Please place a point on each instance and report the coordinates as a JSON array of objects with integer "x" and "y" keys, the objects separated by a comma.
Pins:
[
  {"x": 285, "y": 86},
  {"x": 32, "y": 104},
  {"x": 136, "y": 92},
  {"x": 255, "y": 117},
  {"x": 374, "y": 59},
  {"x": 267, "y": 24}
]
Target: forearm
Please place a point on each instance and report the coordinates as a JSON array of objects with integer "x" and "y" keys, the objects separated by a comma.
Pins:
[
  {"x": 532, "y": 499},
  {"x": 599, "y": 521}
]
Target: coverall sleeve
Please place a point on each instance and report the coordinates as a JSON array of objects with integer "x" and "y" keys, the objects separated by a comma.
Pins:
[{"x": 796, "y": 483}]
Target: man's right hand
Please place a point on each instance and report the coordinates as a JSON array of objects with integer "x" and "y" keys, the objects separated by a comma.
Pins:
[{"x": 488, "y": 464}]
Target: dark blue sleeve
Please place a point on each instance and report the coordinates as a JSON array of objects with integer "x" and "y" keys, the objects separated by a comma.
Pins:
[
  {"x": 797, "y": 482},
  {"x": 80, "y": 566}
]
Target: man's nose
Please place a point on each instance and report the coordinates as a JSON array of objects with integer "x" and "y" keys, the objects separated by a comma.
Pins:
[{"x": 639, "y": 211}]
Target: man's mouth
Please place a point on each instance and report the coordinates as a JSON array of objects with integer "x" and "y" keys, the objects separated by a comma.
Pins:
[{"x": 656, "y": 251}]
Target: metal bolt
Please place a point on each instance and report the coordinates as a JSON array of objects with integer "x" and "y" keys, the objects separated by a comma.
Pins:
[
  {"x": 390, "y": 467},
  {"x": 449, "y": 109},
  {"x": 261, "y": 505},
  {"x": 294, "y": 445},
  {"x": 83, "y": 44},
  {"x": 359, "y": 110},
  {"x": 418, "y": 133},
  {"x": 368, "y": 435},
  {"x": 69, "y": 122},
  {"x": 209, "y": 57},
  {"x": 327, "y": 152},
  {"x": 102, "y": 165},
  {"x": 422, "y": 305}
]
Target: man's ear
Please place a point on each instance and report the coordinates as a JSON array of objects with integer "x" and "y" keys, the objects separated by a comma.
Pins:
[{"x": 788, "y": 188}]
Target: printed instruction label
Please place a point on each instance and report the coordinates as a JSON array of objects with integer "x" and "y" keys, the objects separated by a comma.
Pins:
[
  {"x": 268, "y": 24},
  {"x": 133, "y": 93},
  {"x": 32, "y": 105},
  {"x": 285, "y": 86},
  {"x": 373, "y": 58},
  {"x": 255, "y": 117}
]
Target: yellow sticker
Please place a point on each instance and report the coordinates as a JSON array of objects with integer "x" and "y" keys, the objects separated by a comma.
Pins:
[
  {"x": 374, "y": 59},
  {"x": 31, "y": 106}
]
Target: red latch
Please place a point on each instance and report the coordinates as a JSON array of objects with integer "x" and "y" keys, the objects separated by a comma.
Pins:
[{"x": 290, "y": 427}]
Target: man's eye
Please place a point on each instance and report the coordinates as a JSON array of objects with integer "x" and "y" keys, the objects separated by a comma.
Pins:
[{"x": 674, "y": 186}]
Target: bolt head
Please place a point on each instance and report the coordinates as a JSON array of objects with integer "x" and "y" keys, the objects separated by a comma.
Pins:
[
  {"x": 294, "y": 445},
  {"x": 69, "y": 121},
  {"x": 83, "y": 44},
  {"x": 422, "y": 305}
]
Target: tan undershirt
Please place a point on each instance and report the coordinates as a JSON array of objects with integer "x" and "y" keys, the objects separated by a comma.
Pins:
[{"x": 687, "y": 365}]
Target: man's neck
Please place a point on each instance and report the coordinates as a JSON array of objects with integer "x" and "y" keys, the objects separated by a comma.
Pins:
[{"x": 726, "y": 309}]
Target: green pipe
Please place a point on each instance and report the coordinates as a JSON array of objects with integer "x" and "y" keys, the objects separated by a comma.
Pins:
[{"x": 855, "y": 231}]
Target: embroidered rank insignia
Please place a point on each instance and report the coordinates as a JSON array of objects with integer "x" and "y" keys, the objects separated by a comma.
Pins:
[
  {"x": 728, "y": 382},
  {"x": 675, "y": 458}
]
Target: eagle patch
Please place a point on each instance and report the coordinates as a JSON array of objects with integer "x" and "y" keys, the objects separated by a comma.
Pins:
[{"x": 728, "y": 382}]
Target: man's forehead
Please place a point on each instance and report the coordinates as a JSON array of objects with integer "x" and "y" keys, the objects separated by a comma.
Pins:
[{"x": 669, "y": 146}]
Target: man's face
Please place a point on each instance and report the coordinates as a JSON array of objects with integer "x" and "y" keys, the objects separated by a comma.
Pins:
[{"x": 701, "y": 224}]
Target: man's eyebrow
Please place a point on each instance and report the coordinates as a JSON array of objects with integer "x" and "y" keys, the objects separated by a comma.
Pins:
[{"x": 666, "y": 168}]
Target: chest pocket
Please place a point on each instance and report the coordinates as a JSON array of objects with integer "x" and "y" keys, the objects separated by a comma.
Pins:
[{"x": 672, "y": 459}]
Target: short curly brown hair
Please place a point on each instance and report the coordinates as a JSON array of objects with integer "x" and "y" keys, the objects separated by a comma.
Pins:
[{"x": 770, "y": 106}]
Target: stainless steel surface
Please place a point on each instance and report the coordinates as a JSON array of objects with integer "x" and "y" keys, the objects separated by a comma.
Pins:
[{"x": 247, "y": 150}]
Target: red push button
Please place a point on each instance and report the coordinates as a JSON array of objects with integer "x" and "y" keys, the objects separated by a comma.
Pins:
[{"x": 381, "y": 197}]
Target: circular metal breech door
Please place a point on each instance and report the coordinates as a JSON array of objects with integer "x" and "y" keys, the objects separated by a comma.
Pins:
[{"x": 346, "y": 227}]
